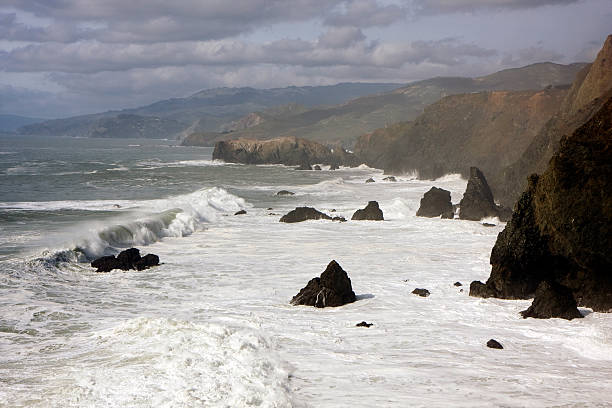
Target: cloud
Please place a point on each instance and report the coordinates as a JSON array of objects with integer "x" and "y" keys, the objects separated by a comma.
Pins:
[
  {"x": 531, "y": 55},
  {"x": 366, "y": 13},
  {"x": 455, "y": 6}
]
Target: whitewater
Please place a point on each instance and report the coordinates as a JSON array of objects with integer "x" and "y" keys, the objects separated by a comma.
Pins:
[{"x": 212, "y": 325}]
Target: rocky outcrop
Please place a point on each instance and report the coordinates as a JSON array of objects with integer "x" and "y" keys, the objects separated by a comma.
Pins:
[
  {"x": 289, "y": 151},
  {"x": 552, "y": 300},
  {"x": 285, "y": 193},
  {"x": 332, "y": 289},
  {"x": 561, "y": 230},
  {"x": 364, "y": 324},
  {"x": 371, "y": 212},
  {"x": 421, "y": 292},
  {"x": 477, "y": 202},
  {"x": 494, "y": 344},
  {"x": 304, "y": 213},
  {"x": 125, "y": 260},
  {"x": 435, "y": 203}
]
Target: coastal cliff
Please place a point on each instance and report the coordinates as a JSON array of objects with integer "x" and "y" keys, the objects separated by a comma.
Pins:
[
  {"x": 290, "y": 151},
  {"x": 561, "y": 229}
]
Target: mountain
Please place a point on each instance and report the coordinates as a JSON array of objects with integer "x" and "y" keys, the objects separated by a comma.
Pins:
[
  {"x": 210, "y": 110},
  {"x": 344, "y": 123},
  {"x": 592, "y": 87},
  {"x": 10, "y": 123}
]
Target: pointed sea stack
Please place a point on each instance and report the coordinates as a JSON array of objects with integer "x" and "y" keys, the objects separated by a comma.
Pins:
[
  {"x": 371, "y": 213},
  {"x": 332, "y": 289}
]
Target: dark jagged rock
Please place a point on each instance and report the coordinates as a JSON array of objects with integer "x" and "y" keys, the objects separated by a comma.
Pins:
[
  {"x": 435, "y": 203},
  {"x": 285, "y": 193},
  {"x": 105, "y": 263},
  {"x": 332, "y": 289},
  {"x": 561, "y": 230},
  {"x": 552, "y": 300},
  {"x": 477, "y": 202},
  {"x": 421, "y": 292},
  {"x": 486, "y": 224},
  {"x": 317, "y": 167},
  {"x": 390, "y": 178},
  {"x": 457, "y": 284},
  {"x": 241, "y": 212},
  {"x": 339, "y": 219},
  {"x": 494, "y": 344},
  {"x": 371, "y": 212},
  {"x": 370, "y": 180},
  {"x": 304, "y": 213},
  {"x": 364, "y": 324},
  {"x": 126, "y": 260},
  {"x": 479, "y": 289},
  {"x": 146, "y": 262}
]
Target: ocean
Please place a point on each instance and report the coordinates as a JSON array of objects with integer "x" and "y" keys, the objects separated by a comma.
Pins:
[{"x": 212, "y": 325}]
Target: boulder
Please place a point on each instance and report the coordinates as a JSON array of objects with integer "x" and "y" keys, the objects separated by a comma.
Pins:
[
  {"x": 285, "y": 193},
  {"x": 364, "y": 324},
  {"x": 494, "y": 344},
  {"x": 371, "y": 212},
  {"x": 241, "y": 212},
  {"x": 339, "y": 219},
  {"x": 370, "y": 180},
  {"x": 304, "y": 166},
  {"x": 106, "y": 263},
  {"x": 561, "y": 228},
  {"x": 435, "y": 203},
  {"x": 333, "y": 288},
  {"x": 317, "y": 167},
  {"x": 552, "y": 300},
  {"x": 457, "y": 284},
  {"x": 390, "y": 178},
  {"x": 127, "y": 259},
  {"x": 304, "y": 213},
  {"x": 421, "y": 292},
  {"x": 146, "y": 262},
  {"x": 334, "y": 166}
]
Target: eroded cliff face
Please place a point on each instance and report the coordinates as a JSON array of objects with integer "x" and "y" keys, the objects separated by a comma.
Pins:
[
  {"x": 561, "y": 229},
  {"x": 290, "y": 151},
  {"x": 489, "y": 130},
  {"x": 591, "y": 88}
]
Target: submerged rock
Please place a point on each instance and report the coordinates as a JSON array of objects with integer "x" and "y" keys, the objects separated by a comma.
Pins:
[
  {"x": 332, "y": 289},
  {"x": 304, "y": 213},
  {"x": 146, "y": 262},
  {"x": 317, "y": 167},
  {"x": 105, "y": 263},
  {"x": 241, "y": 212},
  {"x": 390, "y": 178},
  {"x": 421, "y": 292},
  {"x": 435, "y": 203},
  {"x": 370, "y": 180},
  {"x": 304, "y": 166},
  {"x": 285, "y": 193},
  {"x": 552, "y": 300},
  {"x": 127, "y": 259},
  {"x": 364, "y": 324},
  {"x": 457, "y": 284},
  {"x": 371, "y": 213},
  {"x": 494, "y": 344}
]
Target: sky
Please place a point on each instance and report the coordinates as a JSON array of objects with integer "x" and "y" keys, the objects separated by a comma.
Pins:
[{"x": 61, "y": 58}]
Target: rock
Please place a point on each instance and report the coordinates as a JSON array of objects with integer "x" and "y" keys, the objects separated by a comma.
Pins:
[
  {"x": 127, "y": 259},
  {"x": 421, "y": 292},
  {"x": 371, "y": 212},
  {"x": 106, "y": 263},
  {"x": 339, "y": 219},
  {"x": 435, "y": 203},
  {"x": 269, "y": 208},
  {"x": 304, "y": 166},
  {"x": 146, "y": 262},
  {"x": 390, "y": 178},
  {"x": 317, "y": 167},
  {"x": 370, "y": 180},
  {"x": 477, "y": 202},
  {"x": 561, "y": 228},
  {"x": 304, "y": 213},
  {"x": 241, "y": 212},
  {"x": 457, "y": 284},
  {"x": 332, "y": 210},
  {"x": 332, "y": 289},
  {"x": 364, "y": 324},
  {"x": 552, "y": 300},
  {"x": 290, "y": 151},
  {"x": 494, "y": 344},
  {"x": 334, "y": 166},
  {"x": 479, "y": 289},
  {"x": 285, "y": 193},
  {"x": 486, "y": 224}
]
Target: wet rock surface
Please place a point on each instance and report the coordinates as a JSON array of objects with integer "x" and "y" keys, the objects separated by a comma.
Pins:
[
  {"x": 125, "y": 260},
  {"x": 371, "y": 212},
  {"x": 333, "y": 288},
  {"x": 552, "y": 300},
  {"x": 304, "y": 213},
  {"x": 435, "y": 203}
]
